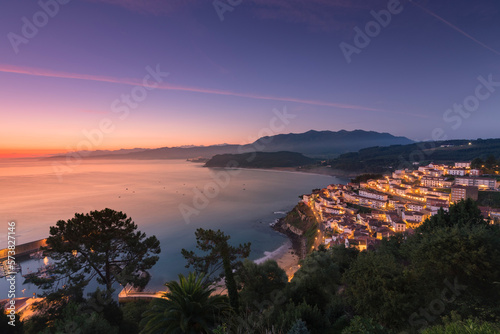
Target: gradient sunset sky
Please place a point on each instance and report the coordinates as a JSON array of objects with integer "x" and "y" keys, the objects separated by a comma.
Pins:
[{"x": 226, "y": 76}]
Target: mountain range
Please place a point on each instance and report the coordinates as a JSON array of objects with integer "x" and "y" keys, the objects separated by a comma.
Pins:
[
  {"x": 328, "y": 143},
  {"x": 315, "y": 144}
]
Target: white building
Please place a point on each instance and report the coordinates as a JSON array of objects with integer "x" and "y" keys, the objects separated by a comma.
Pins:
[
  {"x": 475, "y": 172},
  {"x": 482, "y": 183},
  {"x": 456, "y": 171},
  {"x": 433, "y": 182},
  {"x": 333, "y": 211},
  {"x": 398, "y": 226},
  {"x": 373, "y": 195},
  {"x": 462, "y": 164},
  {"x": 415, "y": 206},
  {"x": 435, "y": 172}
]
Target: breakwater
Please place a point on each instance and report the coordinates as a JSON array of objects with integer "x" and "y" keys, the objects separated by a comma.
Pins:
[{"x": 24, "y": 249}]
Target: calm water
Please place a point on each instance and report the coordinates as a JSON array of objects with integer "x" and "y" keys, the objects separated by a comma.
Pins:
[{"x": 151, "y": 192}]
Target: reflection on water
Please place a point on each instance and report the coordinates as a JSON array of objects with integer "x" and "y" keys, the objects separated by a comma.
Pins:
[{"x": 151, "y": 192}]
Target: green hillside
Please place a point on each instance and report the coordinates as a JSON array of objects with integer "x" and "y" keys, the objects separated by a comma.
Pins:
[
  {"x": 260, "y": 160},
  {"x": 380, "y": 159}
]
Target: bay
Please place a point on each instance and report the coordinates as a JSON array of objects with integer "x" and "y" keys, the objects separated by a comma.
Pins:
[{"x": 154, "y": 193}]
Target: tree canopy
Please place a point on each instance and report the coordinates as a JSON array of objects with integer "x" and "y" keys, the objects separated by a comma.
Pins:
[
  {"x": 188, "y": 307},
  {"x": 258, "y": 282},
  {"x": 101, "y": 244},
  {"x": 220, "y": 255}
]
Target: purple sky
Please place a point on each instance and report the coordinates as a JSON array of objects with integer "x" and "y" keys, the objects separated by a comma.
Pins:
[{"x": 226, "y": 76}]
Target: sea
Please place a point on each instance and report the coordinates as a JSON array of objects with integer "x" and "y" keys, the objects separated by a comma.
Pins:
[{"x": 169, "y": 199}]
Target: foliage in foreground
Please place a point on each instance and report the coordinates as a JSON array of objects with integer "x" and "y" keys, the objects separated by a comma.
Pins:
[
  {"x": 104, "y": 245},
  {"x": 410, "y": 283},
  {"x": 464, "y": 327},
  {"x": 220, "y": 255},
  {"x": 99, "y": 313},
  {"x": 189, "y": 307}
]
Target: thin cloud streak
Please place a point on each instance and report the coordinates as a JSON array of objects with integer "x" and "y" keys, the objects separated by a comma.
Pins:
[
  {"x": 156, "y": 7},
  {"x": 454, "y": 27},
  {"x": 136, "y": 82}
]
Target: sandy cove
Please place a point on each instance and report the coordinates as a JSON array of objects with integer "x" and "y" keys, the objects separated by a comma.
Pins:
[{"x": 285, "y": 257}]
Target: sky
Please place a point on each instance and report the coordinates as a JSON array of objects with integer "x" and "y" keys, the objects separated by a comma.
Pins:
[{"x": 111, "y": 74}]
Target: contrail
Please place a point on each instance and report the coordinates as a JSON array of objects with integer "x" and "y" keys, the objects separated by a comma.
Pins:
[
  {"x": 135, "y": 82},
  {"x": 454, "y": 27}
]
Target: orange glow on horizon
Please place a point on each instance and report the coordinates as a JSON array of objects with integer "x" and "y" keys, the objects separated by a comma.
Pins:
[
  {"x": 6, "y": 153},
  {"x": 12, "y": 153}
]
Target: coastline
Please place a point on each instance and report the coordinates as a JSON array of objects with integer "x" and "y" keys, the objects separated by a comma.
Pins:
[
  {"x": 286, "y": 257},
  {"x": 298, "y": 244},
  {"x": 289, "y": 262},
  {"x": 316, "y": 171}
]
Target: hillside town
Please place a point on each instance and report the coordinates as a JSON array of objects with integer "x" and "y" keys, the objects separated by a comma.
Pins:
[{"x": 361, "y": 214}]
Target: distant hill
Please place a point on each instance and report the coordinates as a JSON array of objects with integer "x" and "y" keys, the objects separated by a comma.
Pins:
[
  {"x": 317, "y": 144},
  {"x": 105, "y": 153},
  {"x": 160, "y": 153},
  {"x": 182, "y": 152},
  {"x": 260, "y": 160},
  {"x": 378, "y": 159},
  {"x": 328, "y": 143}
]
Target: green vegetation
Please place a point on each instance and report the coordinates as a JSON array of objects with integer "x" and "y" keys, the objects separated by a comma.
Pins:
[
  {"x": 7, "y": 328},
  {"x": 98, "y": 314},
  {"x": 489, "y": 198},
  {"x": 359, "y": 208},
  {"x": 103, "y": 245},
  {"x": 220, "y": 255},
  {"x": 257, "y": 282},
  {"x": 299, "y": 328},
  {"x": 83, "y": 322},
  {"x": 310, "y": 235},
  {"x": 424, "y": 282},
  {"x": 365, "y": 177},
  {"x": 457, "y": 326},
  {"x": 361, "y": 325},
  {"x": 377, "y": 159},
  {"x": 488, "y": 166},
  {"x": 260, "y": 160},
  {"x": 189, "y": 307},
  {"x": 303, "y": 218}
]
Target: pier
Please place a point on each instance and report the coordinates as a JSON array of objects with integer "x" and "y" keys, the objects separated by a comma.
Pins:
[
  {"x": 131, "y": 294},
  {"x": 24, "y": 249}
]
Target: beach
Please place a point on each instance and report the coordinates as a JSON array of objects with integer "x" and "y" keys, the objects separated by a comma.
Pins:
[
  {"x": 289, "y": 262},
  {"x": 285, "y": 257}
]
